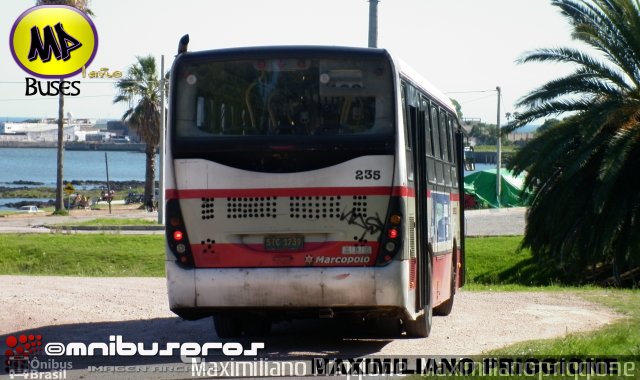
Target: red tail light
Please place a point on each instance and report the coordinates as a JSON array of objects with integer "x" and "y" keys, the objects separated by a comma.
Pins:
[{"x": 176, "y": 234}]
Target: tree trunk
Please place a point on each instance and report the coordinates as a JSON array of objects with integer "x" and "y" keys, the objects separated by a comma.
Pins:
[
  {"x": 150, "y": 173},
  {"x": 59, "y": 205}
]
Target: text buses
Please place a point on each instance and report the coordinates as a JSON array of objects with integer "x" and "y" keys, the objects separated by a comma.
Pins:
[{"x": 310, "y": 182}]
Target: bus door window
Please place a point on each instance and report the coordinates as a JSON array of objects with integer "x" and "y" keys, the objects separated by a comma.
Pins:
[
  {"x": 441, "y": 218},
  {"x": 444, "y": 143}
]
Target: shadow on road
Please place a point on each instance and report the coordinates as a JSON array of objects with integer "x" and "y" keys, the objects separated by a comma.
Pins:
[{"x": 290, "y": 340}]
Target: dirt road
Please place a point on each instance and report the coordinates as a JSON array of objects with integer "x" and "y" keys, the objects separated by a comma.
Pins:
[
  {"x": 72, "y": 309},
  {"x": 67, "y": 309}
]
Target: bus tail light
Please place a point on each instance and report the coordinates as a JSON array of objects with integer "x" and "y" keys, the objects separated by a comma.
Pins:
[
  {"x": 176, "y": 234},
  {"x": 391, "y": 239}
]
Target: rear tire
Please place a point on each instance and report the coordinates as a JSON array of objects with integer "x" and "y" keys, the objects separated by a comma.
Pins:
[
  {"x": 227, "y": 326},
  {"x": 421, "y": 327}
]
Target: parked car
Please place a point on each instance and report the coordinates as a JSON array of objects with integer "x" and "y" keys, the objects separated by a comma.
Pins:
[{"x": 28, "y": 209}]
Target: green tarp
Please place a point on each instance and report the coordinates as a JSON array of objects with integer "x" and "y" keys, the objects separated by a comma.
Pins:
[{"x": 482, "y": 186}]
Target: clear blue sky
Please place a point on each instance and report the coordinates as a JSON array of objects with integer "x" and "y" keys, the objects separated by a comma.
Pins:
[{"x": 459, "y": 45}]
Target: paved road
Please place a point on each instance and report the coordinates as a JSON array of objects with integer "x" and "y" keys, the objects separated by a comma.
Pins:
[{"x": 492, "y": 222}]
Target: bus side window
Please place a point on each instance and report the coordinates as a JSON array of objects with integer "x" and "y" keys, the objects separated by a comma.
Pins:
[
  {"x": 450, "y": 126},
  {"x": 413, "y": 122},
  {"x": 424, "y": 116},
  {"x": 443, "y": 137},
  {"x": 435, "y": 135}
]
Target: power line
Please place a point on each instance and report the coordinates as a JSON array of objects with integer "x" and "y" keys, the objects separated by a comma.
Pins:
[
  {"x": 476, "y": 99},
  {"x": 469, "y": 92}
]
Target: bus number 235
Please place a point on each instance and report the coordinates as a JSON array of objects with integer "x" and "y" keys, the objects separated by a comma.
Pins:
[{"x": 367, "y": 174}]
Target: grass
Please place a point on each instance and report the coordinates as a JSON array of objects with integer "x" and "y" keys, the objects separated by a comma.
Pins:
[
  {"x": 103, "y": 255},
  {"x": 498, "y": 263}
]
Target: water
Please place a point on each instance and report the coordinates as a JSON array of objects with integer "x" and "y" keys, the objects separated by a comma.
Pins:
[{"x": 39, "y": 165}]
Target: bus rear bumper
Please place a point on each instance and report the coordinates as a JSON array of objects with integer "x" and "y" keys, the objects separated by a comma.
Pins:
[{"x": 195, "y": 293}]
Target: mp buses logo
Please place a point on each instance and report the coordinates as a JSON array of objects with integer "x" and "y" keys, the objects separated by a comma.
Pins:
[{"x": 53, "y": 42}]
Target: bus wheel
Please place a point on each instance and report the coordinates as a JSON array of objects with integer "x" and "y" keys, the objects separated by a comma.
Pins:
[
  {"x": 256, "y": 325},
  {"x": 421, "y": 327},
  {"x": 227, "y": 326}
]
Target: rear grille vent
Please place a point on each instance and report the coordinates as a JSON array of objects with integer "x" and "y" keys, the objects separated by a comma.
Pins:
[
  {"x": 314, "y": 207},
  {"x": 207, "y": 208},
  {"x": 359, "y": 206},
  {"x": 258, "y": 207}
]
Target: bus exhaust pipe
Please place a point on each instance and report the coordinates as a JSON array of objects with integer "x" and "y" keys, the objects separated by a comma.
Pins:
[
  {"x": 183, "y": 44},
  {"x": 326, "y": 313}
]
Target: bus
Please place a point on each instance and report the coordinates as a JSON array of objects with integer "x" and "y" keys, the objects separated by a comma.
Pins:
[{"x": 311, "y": 182}]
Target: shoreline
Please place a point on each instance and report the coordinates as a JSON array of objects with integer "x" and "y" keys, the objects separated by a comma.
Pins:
[
  {"x": 25, "y": 193},
  {"x": 77, "y": 145}
]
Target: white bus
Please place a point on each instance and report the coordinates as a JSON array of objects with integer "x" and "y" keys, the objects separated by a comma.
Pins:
[{"x": 310, "y": 182}]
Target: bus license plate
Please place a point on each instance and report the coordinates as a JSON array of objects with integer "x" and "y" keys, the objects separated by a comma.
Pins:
[{"x": 283, "y": 243}]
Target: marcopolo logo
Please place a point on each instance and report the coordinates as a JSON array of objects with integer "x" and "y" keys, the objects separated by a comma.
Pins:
[{"x": 53, "y": 42}]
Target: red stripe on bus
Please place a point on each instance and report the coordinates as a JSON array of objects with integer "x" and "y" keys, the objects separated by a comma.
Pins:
[
  {"x": 314, "y": 254},
  {"x": 289, "y": 192},
  {"x": 454, "y": 197}
]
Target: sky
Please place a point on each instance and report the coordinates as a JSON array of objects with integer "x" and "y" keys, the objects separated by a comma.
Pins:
[{"x": 464, "y": 47}]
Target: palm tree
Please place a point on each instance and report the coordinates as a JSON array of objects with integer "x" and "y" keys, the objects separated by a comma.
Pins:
[
  {"x": 83, "y": 6},
  {"x": 140, "y": 89},
  {"x": 585, "y": 170}
]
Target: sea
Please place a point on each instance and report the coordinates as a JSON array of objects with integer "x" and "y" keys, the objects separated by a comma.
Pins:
[{"x": 39, "y": 165}]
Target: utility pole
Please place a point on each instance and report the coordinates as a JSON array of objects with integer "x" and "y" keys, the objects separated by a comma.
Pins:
[
  {"x": 373, "y": 23},
  {"x": 162, "y": 144},
  {"x": 499, "y": 153}
]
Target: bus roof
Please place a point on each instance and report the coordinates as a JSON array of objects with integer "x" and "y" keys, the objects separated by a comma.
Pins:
[{"x": 425, "y": 85}]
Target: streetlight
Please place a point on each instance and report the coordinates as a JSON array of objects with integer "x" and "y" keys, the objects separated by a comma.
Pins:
[{"x": 499, "y": 153}]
